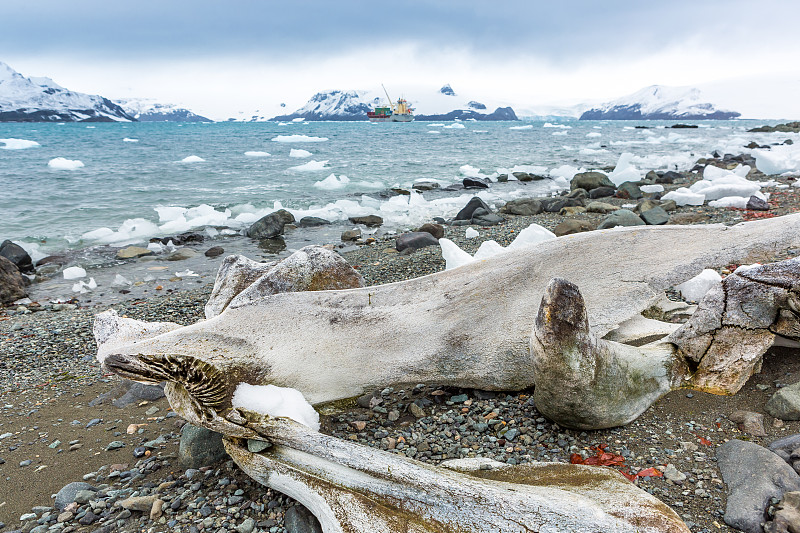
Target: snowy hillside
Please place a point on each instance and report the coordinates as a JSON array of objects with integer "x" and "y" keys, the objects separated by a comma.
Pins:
[
  {"x": 42, "y": 100},
  {"x": 149, "y": 110},
  {"x": 428, "y": 104},
  {"x": 658, "y": 102}
]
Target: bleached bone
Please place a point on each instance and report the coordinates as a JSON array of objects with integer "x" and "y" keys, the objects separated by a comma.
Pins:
[
  {"x": 468, "y": 327},
  {"x": 737, "y": 321},
  {"x": 357, "y": 489}
]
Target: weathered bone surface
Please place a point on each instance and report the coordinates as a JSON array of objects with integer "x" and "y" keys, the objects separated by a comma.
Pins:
[
  {"x": 354, "y": 488},
  {"x": 737, "y": 321},
  {"x": 589, "y": 383},
  {"x": 467, "y": 327}
]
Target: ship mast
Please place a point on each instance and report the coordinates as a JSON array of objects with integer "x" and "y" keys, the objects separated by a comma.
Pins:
[{"x": 387, "y": 96}]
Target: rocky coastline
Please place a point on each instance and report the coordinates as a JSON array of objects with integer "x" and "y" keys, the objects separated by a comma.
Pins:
[{"x": 62, "y": 421}]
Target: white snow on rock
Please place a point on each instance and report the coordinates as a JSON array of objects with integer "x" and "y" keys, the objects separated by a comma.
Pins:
[
  {"x": 778, "y": 159},
  {"x": 299, "y": 153},
  {"x": 192, "y": 159},
  {"x": 660, "y": 102},
  {"x": 61, "y": 163},
  {"x": 17, "y": 144},
  {"x": 298, "y": 139},
  {"x": 257, "y": 154},
  {"x": 332, "y": 182},
  {"x": 311, "y": 166},
  {"x": 697, "y": 287},
  {"x": 277, "y": 402},
  {"x": 75, "y": 272}
]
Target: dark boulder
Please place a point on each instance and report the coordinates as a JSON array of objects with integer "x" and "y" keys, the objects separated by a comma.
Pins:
[
  {"x": 590, "y": 180},
  {"x": 17, "y": 255},
  {"x": 415, "y": 241},
  {"x": 487, "y": 219},
  {"x": 655, "y": 216},
  {"x": 757, "y": 204},
  {"x": 473, "y": 204},
  {"x": 199, "y": 447},
  {"x": 371, "y": 221},
  {"x": 272, "y": 245},
  {"x": 554, "y": 205},
  {"x": 472, "y": 183},
  {"x": 434, "y": 229},
  {"x": 669, "y": 177},
  {"x": 180, "y": 239},
  {"x": 312, "y": 222},
  {"x": 12, "y": 283},
  {"x": 601, "y": 192},
  {"x": 523, "y": 207},
  {"x": 270, "y": 225},
  {"x": 215, "y": 251},
  {"x": 569, "y": 227},
  {"x": 629, "y": 191}
]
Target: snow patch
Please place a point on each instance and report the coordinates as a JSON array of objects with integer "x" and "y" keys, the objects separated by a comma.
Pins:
[
  {"x": 697, "y": 287},
  {"x": 277, "y": 402}
]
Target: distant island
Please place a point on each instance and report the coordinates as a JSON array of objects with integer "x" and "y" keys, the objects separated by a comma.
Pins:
[{"x": 659, "y": 103}]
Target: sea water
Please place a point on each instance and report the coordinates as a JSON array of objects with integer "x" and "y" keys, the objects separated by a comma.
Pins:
[{"x": 78, "y": 186}]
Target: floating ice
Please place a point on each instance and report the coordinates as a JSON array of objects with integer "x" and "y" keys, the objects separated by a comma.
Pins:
[
  {"x": 549, "y": 125},
  {"x": 594, "y": 134},
  {"x": 435, "y": 125},
  {"x": 778, "y": 159},
  {"x": 121, "y": 281},
  {"x": 311, "y": 166},
  {"x": 624, "y": 170},
  {"x": 129, "y": 140},
  {"x": 187, "y": 274},
  {"x": 697, "y": 287},
  {"x": 75, "y": 272},
  {"x": 684, "y": 196},
  {"x": 652, "y": 188},
  {"x": 176, "y": 221},
  {"x": 132, "y": 230},
  {"x": 471, "y": 233},
  {"x": 559, "y": 133},
  {"x": 470, "y": 171},
  {"x": 456, "y": 126},
  {"x": 276, "y": 401},
  {"x": 17, "y": 144},
  {"x": 299, "y": 153},
  {"x": 60, "y": 163},
  {"x": 84, "y": 287},
  {"x": 526, "y": 127},
  {"x": 332, "y": 182},
  {"x": 592, "y": 151},
  {"x": 298, "y": 139},
  {"x": 212, "y": 232},
  {"x": 192, "y": 159},
  {"x": 434, "y": 131},
  {"x": 257, "y": 154}
]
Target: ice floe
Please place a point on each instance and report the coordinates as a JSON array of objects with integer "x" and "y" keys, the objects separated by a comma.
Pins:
[
  {"x": 298, "y": 139},
  {"x": 456, "y": 126},
  {"x": 257, "y": 154},
  {"x": 594, "y": 134},
  {"x": 17, "y": 144},
  {"x": 551, "y": 125},
  {"x": 193, "y": 159},
  {"x": 129, "y": 140},
  {"x": 61, "y": 163},
  {"x": 332, "y": 182},
  {"x": 526, "y": 127},
  {"x": 311, "y": 166},
  {"x": 299, "y": 153}
]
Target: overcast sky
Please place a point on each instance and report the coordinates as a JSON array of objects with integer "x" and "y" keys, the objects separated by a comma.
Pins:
[{"x": 220, "y": 57}]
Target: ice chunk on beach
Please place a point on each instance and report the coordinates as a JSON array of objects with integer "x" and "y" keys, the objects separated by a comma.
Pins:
[
  {"x": 565, "y": 171},
  {"x": 121, "y": 281},
  {"x": 298, "y": 139},
  {"x": 17, "y": 144},
  {"x": 193, "y": 159},
  {"x": 684, "y": 196},
  {"x": 625, "y": 171},
  {"x": 61, "y": 163},
  {"x": 778, "y": 159},
  {"x": 129, "y": 140},
  {"x": 311, "y": 166},
  {"x": 277, "y": 402},
  {"x": 651, "y": 188},
  {"x": 332, "y": 182},
  {"x": 257, "y": 154},
  {"x": 471, "y": 233},
  {"x": 533, "y": 234},
  {"x": 697, "y": 287},
  {"x": 454, "y": 256},
  {"x": 132, "y": 230},
  {"x": 488, "y": 249},
  {"x": 83, "y": 287},
  {"x": 722, "y": 185},
  {"x": 730, "y": 201},
  {"x": 187, "y": 274},
  {"x": 75, "y": 272},
  {"x": 299, "y": 153}
]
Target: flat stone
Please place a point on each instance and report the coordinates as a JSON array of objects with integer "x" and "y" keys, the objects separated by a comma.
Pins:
[
  {"x": 313, "y": 222},
  {"x": 601, "y": 207},
  {"x": 749, "y": 422},
  {"x": 785, "y": 403},
  {"x": 437, "y": 230},
  {"x": 132, "y": 252},
  {"x": 655, "y": 216},
  {"x": 139, "y": 503},
  {"x": 489, "y": 219},
  {"x": 673, "y": 474},
  {"x": 181, "y": 254},
  {"x": 214, "y": 251},
  {"x": 415, "y": 240},
  {"x": 622, "y": 217},
  {"x": 351, "y": 235},
  {"x": 602, "y": 192},
  {"x": 569, "y": 227},
  {"x": 522, "y": 207},
  {"x": 371, "y": 221}
]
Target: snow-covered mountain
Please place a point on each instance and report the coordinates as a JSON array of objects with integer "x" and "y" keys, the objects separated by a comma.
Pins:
[
  {"x": 658, "y": 102},
  {"x": 440, "y": 104},
  {"x": 149, "y": 110},
  {"x": 43, "y": 100}
]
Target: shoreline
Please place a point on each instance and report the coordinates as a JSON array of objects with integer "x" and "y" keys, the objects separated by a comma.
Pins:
[{"x": 48, "y": 375}]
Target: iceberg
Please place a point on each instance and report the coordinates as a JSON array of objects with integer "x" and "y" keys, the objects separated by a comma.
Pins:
[
  {"x": 60, "y": 163},
  {"x": 17, "y": 144},
  {"x": 311, "y": 166}
]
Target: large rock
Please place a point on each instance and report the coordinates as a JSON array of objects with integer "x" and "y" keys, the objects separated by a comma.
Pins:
[
  {"x": 235, "y": 274},
  {"x": 787, "y": 515},
  {"x": 67, "y": 494},
  {"x": 312, "y": 268},
  {"x": 590, "y": 180},
  {"x": 415, "y": 240},
  {"x": 623, "y": 217},
  {"x": 131, "y": 252},
  {"x": 601, "y": 207},
  {"x": 602, "y": 192},
  {"x": 138, "y": 392},
  {"x": 313, "y": 222},
  {"x": 371, "y": 221},
  {"x": 753, "y": 475},
  {"x": 200, "y": 447},
  {"x": 17, "y": 255},
  {"x": 437, "y": 230},
  {"x": 523, "y": 207},
  {"x": 12, "y": 284},
  {"x": 569, "y": 227},
  {"x": 630, "y": 191},
  {"x": 298, "y": 519},
  {"x": 655, "y": 216},
  {"x": 785, "y": 404},
  {"x": 554, "y": 205},
  {"x": 473, "y": 204},
  {"x": 486, "y": 219},
  {"x": 472, "y": 183},
  {"x": 270, "y": 225}
]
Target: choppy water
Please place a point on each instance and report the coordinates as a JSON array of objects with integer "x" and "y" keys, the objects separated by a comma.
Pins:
[{"x": 125, "y": 181}]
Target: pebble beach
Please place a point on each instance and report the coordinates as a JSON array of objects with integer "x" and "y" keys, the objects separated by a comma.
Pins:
[{"x": 59, "y": 424}]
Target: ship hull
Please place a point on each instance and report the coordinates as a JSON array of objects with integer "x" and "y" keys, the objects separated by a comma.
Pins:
[{"x": 402, "y": 118}]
